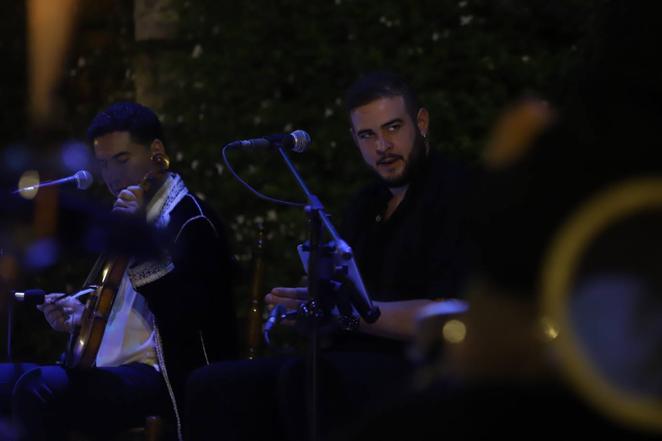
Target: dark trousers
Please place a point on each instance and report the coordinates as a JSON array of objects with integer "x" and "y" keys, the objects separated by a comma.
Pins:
[
  {"x": 47, "y": 402},
  {"x": 265, "y": 399}
]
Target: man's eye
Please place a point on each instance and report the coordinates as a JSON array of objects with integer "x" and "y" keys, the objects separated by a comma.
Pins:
[
  {"x": 365, "y": 136},
  {"x": 393, "y": 127},
  {"x": 122, "y": 159}
]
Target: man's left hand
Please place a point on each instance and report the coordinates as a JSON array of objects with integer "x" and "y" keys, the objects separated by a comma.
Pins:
[{"x": 130, "y": 200}]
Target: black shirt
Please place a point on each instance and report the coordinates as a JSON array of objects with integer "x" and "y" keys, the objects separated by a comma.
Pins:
[{"x": 418, "y": 252}]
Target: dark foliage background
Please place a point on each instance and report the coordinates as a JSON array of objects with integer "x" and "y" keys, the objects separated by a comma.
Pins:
[{"x": 234, "y": 70}]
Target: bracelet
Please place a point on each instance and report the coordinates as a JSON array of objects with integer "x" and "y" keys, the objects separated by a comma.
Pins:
[{"x": 349, "y": 323}]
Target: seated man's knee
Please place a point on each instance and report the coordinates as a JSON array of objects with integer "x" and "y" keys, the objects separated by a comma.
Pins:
[{"x": 39, "y": 388}]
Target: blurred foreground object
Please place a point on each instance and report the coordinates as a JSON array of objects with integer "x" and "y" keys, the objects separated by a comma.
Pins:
[{"x": 601, "y": 285}]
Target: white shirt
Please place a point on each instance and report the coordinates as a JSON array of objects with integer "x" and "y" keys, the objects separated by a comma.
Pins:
[{"x": 129, "y": 335}]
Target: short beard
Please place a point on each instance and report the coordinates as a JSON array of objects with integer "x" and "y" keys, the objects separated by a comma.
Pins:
[{"x": 413, "y": 164}]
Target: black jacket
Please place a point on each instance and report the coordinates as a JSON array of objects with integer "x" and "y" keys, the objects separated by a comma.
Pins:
[{"x": 192, "y": 303}]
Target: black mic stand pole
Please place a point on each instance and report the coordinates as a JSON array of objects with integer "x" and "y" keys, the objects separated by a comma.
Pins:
[
  {"x": 317, "y": 217},
  {"x": 320, "y": 265}
]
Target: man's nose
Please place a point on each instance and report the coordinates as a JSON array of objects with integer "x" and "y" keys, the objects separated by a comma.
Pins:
[{"x": 383, "y": 144}]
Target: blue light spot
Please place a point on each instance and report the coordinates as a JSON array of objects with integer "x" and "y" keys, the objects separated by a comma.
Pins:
[
  {"x": 75, "y": 155},
  {"x": 41, "y": 254},
  {"x": 16, "y": 158}
]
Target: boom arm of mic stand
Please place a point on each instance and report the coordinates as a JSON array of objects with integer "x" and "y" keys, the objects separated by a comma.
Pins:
[
  {"x": 364, "y": 306},
  {"x": 315, "y": 204}
]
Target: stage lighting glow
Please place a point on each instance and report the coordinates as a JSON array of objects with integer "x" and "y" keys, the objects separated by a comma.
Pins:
[
  {"x": 549, "y": 330},
  {"x": 454, "y": 331},
  {"x": 41, "y": 254},
  {"x": 75, "y": 155},
  {"x": 29, "y": 180}
]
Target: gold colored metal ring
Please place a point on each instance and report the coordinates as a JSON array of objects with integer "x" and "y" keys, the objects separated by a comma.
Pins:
[{"x": 560, "y": 271}]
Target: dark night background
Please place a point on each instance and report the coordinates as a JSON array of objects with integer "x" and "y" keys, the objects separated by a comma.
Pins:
[{"x": 216, "y": 71}]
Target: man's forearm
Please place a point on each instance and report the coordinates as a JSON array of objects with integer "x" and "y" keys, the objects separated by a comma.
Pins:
[{"x": 397, "y": 319}]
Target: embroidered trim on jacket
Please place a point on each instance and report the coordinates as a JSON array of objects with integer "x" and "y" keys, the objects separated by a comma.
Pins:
[
  {"x": 164, "y": 372},
  {"x": 148, "y": 272}
]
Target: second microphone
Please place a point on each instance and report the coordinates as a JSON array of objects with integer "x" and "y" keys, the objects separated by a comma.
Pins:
[{"x": 298, "y": 141}]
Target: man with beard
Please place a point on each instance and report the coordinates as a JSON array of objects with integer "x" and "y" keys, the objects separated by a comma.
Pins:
[{"x": 406, "y": 238}]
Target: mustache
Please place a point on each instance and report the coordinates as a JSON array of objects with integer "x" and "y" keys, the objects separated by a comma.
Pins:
[{"x": 388, "y": 157}]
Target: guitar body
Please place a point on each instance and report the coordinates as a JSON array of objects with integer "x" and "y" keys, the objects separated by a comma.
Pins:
[{"x": 85, "y": 339}]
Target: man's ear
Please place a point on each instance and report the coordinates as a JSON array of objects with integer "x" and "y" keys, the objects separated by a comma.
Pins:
[
  {"x": 158, "y": 154},
  {"x": 423, "y": 121},
  {"x": 157, "y": 147}
]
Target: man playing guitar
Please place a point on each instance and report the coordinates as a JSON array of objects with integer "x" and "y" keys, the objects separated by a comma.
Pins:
[{"x": 158, "y": 329}]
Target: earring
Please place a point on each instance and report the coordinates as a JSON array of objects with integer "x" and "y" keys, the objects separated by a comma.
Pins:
[{"x": 161, "y": 159}]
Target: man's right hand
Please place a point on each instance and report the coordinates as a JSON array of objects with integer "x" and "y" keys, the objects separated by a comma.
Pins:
[
  {"x": 291, "y": 298},
  {"x": 61, "y": 314}
]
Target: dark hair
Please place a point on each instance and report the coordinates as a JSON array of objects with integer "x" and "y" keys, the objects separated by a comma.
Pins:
[
  {"x": 141, "y": 122},
  {"x": 380, "y": 84}
]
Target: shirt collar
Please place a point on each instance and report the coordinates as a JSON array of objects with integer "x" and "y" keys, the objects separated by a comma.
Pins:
[{"x": 167, "y": 196}]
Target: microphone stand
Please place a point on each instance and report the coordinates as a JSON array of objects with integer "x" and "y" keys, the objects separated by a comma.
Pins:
[{"x": 321, "y": 266}]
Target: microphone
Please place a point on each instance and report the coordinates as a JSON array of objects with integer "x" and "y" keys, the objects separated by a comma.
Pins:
[
  {"x": 298, "y": 141},
  {"x": 82, "y": 179},
  {"x": 30, "y": 296},
  {"x": 37, "y": 296}
]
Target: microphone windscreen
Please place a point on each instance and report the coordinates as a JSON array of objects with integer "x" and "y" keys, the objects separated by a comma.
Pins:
[
  {"x": 298, "y": 141},
  {"x": 84, "y": 179}
]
